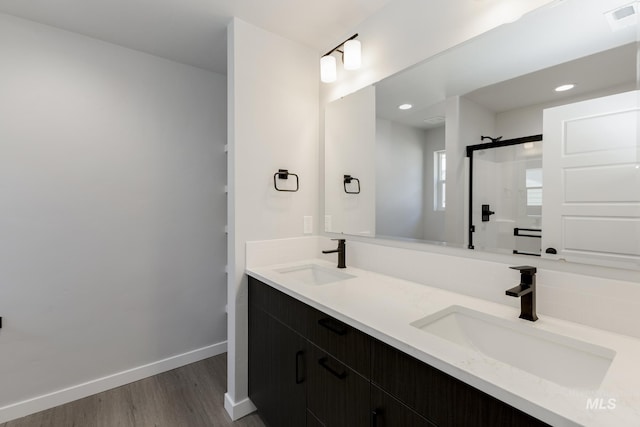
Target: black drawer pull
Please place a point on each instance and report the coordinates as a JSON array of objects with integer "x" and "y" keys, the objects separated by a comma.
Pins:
[
  {"x": 299, "y": 379},
  {"x": 333, "y": 325},
  {"x": 340, "y": 375},
  {"x": 374, "y": 417}
]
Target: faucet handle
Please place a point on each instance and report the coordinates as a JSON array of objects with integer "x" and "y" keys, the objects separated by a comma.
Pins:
[{"x": 525, "y": 269}]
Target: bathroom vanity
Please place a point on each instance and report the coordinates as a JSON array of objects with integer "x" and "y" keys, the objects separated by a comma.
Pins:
[
  {"x": 309, "y": 368},
  {"x": 349, "y": 347}
]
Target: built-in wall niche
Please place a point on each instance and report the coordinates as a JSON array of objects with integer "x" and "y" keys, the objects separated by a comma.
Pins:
[{"x": 412, "y": 130}]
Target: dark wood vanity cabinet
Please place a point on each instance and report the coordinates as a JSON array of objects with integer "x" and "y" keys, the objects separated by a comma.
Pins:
[
  {"x": 277, "y": 383},
  {"x": 307, "y": 368},
  {"x": 439, "y": 397}
]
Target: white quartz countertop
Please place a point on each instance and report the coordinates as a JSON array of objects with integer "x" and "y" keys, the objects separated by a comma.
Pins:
[{"x": 384, "y": 307}]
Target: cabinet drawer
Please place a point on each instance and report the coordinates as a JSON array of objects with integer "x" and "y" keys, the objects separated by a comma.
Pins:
[
  {"x": 340, "y": 340},
  {"x": 444, "y": 400},
  {"x": 336, "y": 395},
  {"x": 286, "y": 309},
  {"x": 387, "y": 411}
]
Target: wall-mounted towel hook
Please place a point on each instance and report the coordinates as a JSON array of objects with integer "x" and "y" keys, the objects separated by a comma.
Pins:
[
  {"x": 348, "y": 179},
  {"x": 284, "y": 174}
]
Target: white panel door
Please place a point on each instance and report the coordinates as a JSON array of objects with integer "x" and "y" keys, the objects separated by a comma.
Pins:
[{"x": 591, "y": 198}]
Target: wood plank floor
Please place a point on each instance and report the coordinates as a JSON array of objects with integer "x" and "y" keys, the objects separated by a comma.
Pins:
[{"x": 190, "y": 396}]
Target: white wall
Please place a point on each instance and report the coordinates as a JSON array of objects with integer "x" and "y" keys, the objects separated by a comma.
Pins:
[
  {"x": 400, "y": 192},
  {"x": 434, "y": 220},
  {"x": 273, "y": 88},
  {"x": 112, "y": 214},
  {"x": 350, "y": 132}
]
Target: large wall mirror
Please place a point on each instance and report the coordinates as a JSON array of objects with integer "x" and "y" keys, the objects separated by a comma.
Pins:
[{"x": 553, "y": 99}]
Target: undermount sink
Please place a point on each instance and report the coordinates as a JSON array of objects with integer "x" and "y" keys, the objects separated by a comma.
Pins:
[
  {"x": 313, "y": 274},
  {"x": 562, "y": 360}
]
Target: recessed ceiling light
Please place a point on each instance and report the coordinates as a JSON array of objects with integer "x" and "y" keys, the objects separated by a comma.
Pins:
[
  {"x": 405, "y": 106},
  {"x": 566, "y": 87}
]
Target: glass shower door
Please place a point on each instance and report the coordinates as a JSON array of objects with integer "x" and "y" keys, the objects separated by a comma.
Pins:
[{"x": 506, "y": 202}]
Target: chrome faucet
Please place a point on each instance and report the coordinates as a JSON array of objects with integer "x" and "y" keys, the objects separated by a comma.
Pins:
[
  {"x": 526, "y": 291},
  {"x": 342, "y": 253}
]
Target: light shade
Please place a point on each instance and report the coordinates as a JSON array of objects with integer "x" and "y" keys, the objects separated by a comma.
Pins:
[
  {"x": 352, "y": 55},
  {"x": 328, "y": 72}
]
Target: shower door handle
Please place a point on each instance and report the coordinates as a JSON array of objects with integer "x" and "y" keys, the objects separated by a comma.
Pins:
[{"x": 486, "y": 213}]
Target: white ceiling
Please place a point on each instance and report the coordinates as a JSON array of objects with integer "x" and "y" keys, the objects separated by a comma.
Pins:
[{"x": 194, "y": 31}]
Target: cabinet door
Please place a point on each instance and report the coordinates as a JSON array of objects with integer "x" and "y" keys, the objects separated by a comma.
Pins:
[
  {"x": 276, "y": 371},
  {"x": 387, "y": 411},
  {"x": 336, "y": 395}
]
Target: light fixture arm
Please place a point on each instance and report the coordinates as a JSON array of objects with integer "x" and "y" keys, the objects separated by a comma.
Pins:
[{"x": 341, "y": 44}]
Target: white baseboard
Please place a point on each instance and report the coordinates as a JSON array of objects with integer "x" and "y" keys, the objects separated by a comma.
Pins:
[
  {"x": 69, "y": 394},
  {"x": 237, "y": 410}
]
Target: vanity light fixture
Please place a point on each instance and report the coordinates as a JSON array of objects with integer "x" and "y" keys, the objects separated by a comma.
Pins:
[
  {"x": 351, "y": 58},
  {"x": 328, "y": 72},
  {"x": 405, "y": 106},
  {"x": 565, "y": 87}
]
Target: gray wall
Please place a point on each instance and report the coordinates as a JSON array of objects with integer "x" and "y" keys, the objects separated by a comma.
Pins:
[
  {"x": 399, "y": 180},
  {"x": 112, "y": 209}
]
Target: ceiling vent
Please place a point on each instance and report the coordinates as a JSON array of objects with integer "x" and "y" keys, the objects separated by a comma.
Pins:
[
  {"x": 434, "y": 120},
  {"x": 623, "y": 17}
]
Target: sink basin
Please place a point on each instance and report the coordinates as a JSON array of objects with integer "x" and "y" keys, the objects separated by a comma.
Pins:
[
  {"x": 562, "y": 360},
  {"x": 312, "y": 274}
]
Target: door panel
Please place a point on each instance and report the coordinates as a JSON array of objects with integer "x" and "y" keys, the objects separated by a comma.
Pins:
[{"x": 591, "y": 154}]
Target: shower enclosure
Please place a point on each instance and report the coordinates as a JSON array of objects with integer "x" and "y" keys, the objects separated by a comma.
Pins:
[{"x": 505, "y": 195}]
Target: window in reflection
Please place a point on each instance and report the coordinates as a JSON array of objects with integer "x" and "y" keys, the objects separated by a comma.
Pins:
[
  {"x": 440, "y": 166},
  {"x": 534, "y": 191}
]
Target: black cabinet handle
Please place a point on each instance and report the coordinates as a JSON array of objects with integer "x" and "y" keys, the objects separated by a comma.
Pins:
[
  {"x": 374, "y": 417},
  {"x": 340, "y": 375},
  {"x": 299, "y": 379},
  {"x": 333, "y": 325}
]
